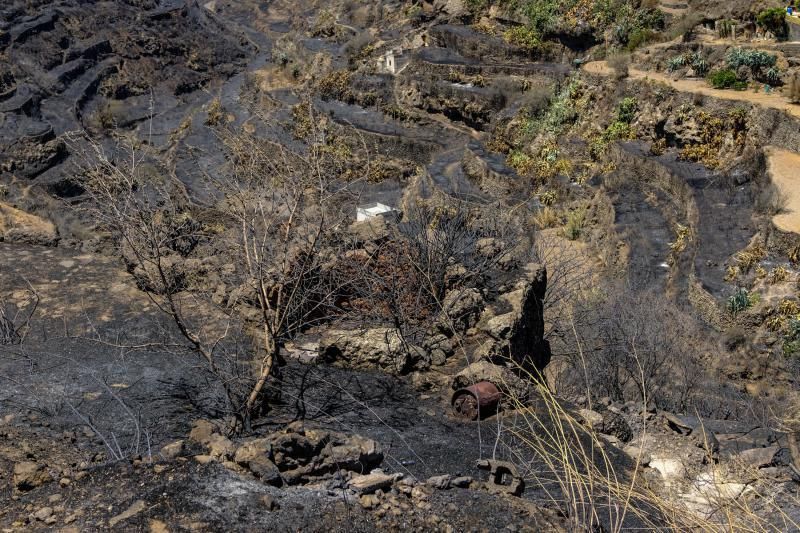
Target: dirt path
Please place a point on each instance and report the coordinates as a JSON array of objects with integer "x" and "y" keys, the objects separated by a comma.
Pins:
[
  {"x": 695, "y": 86},
  {"x": 674, "y": 8},
  {"x": 782, "y": 167}
]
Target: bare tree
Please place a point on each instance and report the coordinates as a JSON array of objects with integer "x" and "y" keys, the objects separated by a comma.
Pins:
[
  {"x": 569, "y": 279},
  {"x": 246, "y": 269},
  {"x": 638, "y": 346},
  {"x": 288, "y": 209}
]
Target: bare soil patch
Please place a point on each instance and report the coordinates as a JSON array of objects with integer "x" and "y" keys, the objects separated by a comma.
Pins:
[{"x": 782, "y": 167}]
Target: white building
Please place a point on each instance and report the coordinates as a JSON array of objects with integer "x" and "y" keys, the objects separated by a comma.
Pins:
[
  {"x": 393, "y": 61},
  {"x": 366, "y": 212}
]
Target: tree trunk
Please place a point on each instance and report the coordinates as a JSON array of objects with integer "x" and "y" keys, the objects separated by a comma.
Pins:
[{"x": 271, "y": 354}]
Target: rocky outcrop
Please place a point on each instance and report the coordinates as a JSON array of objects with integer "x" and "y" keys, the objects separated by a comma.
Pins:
[
  {"x": 19, "y": 226},
  {"x": 469, "y": 43},
  {"x": 376, "y": 348},
  {"x": 474, "y": 106},
  {"x": 514, "y": 325},
  {"x": 507, "y": 331}
]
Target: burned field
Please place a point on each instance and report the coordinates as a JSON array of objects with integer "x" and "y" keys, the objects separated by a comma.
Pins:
[{"x": 337, "y": 265}]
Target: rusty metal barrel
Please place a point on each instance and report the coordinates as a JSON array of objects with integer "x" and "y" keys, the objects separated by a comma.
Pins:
[{"x": 476, "y": 401}]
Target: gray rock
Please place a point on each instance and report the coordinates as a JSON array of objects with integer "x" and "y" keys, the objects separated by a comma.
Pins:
[
  {"x": 255, "y": 456},
  {"x": 173, "y": 450},
  {"x": 461, "y": 482},
  {"x": 220, "y": 447},
  {"x": 615, "y": 424},
  {"x": 251, "y": 450},
  {"x": 29, "y": 475},
  {"x": 438, "y": 357},
  {"x": 369, "y": 483},
  {"x": 706, "y": 440},
  {"x": 43, "y": 514},
  {"x": 368, "y": 501},
  {"x": 782, "y": 458},
  {"x": 299, "y": 454},
  {"x": 441, "y": 482},
  {"x": 376, "y": 348},
  {"x": 759, "y": 457},
  {"x": 636, "y": 453},
  {"x": 461, "y": 310},
  {"x": 591, "y": 418},
  {"x": 201, "y": 432}
]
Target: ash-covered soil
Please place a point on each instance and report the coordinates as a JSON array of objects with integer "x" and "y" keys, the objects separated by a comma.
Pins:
[{"x": 101, "y": 398}]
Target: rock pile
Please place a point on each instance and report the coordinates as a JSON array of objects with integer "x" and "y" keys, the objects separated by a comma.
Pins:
[{"x": 293, "y": 456}]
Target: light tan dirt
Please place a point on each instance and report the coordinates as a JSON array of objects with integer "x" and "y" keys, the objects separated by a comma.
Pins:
[
  {"x": 696, "y": 86},
  {"x": 674, "y": 8},
  {"x": 783, "y": 167}
]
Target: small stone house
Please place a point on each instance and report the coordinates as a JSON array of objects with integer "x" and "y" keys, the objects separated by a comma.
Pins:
[{"x": 393, "y": 61}]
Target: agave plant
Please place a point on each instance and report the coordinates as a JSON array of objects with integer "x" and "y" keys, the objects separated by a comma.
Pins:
[
  {"x": 739, "y": 301},
  {"x": 699, "y": 64},
  {"x": 748, "y": 57},
  {"x": 773, "y": 75},
  {"x": 676, "y": 63}
]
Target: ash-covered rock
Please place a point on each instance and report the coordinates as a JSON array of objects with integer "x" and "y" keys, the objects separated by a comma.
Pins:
[{"x": 296, "y": 455}]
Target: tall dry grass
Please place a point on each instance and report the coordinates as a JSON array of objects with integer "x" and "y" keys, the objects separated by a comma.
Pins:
[{"x": 599, "y": 488}]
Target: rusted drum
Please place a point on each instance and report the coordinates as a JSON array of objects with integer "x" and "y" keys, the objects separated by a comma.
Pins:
[{"x": 476, "y": 401}]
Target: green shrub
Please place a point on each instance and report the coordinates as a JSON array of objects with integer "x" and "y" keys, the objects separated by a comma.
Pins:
[
  {"x": 773, "y": 76},
  {"x": 617, "y": 130},
  {"x": 633, "y": 27},
  {"x": 597, "y": 147},
  {"x": 774, "y": 20},
  {"x": 649, "y": 17},
  {"x": 542, "y": 15},
  {"x": 791, "y": 347},
  {"x": 699, "y": 64},
  {"x": 639, "y": 37},
  {"x": 604, "y": 12},
  {"x": 520, "y": 161},
  {"x": 476, "y": 6},
  {"x": 626, "y": 110},
  {"x": 791, "y": 341},
  {"x": 524, "y": 37},
  {"x": 723, "y": 79},
  {"x": 562, "y": 108}
]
